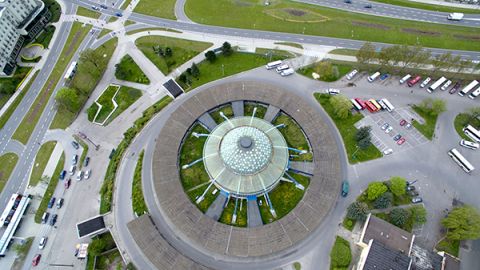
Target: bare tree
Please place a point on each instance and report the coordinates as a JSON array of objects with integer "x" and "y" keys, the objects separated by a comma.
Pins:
[{"x": 366, "y": 54}]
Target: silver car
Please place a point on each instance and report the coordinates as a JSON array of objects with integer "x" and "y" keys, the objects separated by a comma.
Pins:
[{"x": 389, "y": 129}]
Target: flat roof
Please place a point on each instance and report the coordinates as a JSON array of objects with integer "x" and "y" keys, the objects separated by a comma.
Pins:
[
  {"x": 389, "y": 235},
  {"x": 381, "y": 257},
  {"x": 90, "y": 226},
  {"x": 173, "y": 87}
]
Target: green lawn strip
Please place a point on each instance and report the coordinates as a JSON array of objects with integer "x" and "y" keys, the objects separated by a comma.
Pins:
[
  {"x": 439, "y": 8},
  {"x": 25, "y": 129},
  {"x": 462, "y": 120},
  {"x": 138, "y": 202},
  {"x": 291, "y": 44},
  {"x": 106, "y": 192},
  {"x": 85, "y": 83},
  {"x": 9, "y": 85},
  {"x": 349, "y": 52},
  {"x": 8, "y": 161},
  {"x": 427, "y": 129},
  {"x": 182, "y": 51},
  {"x": 81, "y": 11},
  {"x": 41, "y": 160},
  {"x": 162, "y": 9},
  {"x": 54, "y": 8},
  {"x": 332, "y": 23},
  {"x": 348, "y": 223},
  {"x": 52, "y": 184},
  {"x": 265, "y": 213},
  {"x": 452, "y": 247},
  {"x": 128, "y": 70},
  {"x": 285, "y": 196},
  {"x": 105, "y": 100},
  {"x": 45, "y": 36},
  {"x": 193, "y": 194},
  {"x": 227, "y": 214},
  {"x": 125, "y": 4},
  {"x": 259, "y": 113},
  {"x": 131, "y": 32},
  {"x": 192, "y": 149},
  {"x": 128, "y": 22},
  {"x": 226, "y": 66},
  {"x": 347, "y": 131},
  {"x": 227, "y": 111},
  {"x": 103, "y": 32},
  {"x": 6, "y": 115},
  {"x": 343, "y": 69},
  {"x": 274, "y": 53},
  {"x": 22, "y": 252},
  {"x": 84, "y": 152},
  {"x": 125, "y": 97},
  {"x": 294, "y": 136},
  {"x": 340, "y": 255}
]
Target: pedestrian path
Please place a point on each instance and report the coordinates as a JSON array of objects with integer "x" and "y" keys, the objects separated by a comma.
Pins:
[
  {"x": 207, "y": 120},
  {"x": 271, "y": 113},
  {"x": 238, "y": 108}
]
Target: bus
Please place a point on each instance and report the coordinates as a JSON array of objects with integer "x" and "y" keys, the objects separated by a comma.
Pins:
[
  {"x": 273, "y": 64},
  {"x": 467, "y": 88},
  {"x": 375, "y": 103},
  {"x": 472, "y": 133},
  {"x": 436, "y": 84},
  {"x": 71, "y": 71},
  {"x": 460, "y": 160},
  {"x": 373, "y": 77},
  {"x": 356, "y": 105},
  {"x": 370, "y": 106},
  {"x": 475, "y": 93},
  {"x": 388, "y": 105},
  {"x": 361, "y": 103},
  {"x": 10, "y": 209}
]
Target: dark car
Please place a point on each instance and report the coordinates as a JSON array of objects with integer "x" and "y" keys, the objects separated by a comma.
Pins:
[
  {"x": 397, "y": 137},
  {"x": 345, "y": 188},
  {"x": 75, "y": 144},
  {"x": 68, "y": 182},
  {"x": 368, "y": 6},
  {"x": 417, "y": 200},
  {"x": 53, "y": 220},
  {"x": 62, "y": 174},
  {"x": 118, "y": 14},
  {"x": 409, "y": 187},
  {"x": 51, "y": 202},
  {"x": 36, "y": 259},
  {"x": 103, "y": 6},
  {"x": 413, "y": 193},
  {"x": 86, "y": 161},
  {"x": 454, "y": 88},
  {"x": 384, "y": 76},
  {"x": 347, "y": 1},
  {"x": 403, "y": 122}
]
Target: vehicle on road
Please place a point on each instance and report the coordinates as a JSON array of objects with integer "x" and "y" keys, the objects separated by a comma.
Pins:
[
  {"x": 368, "y": 6},
  {"x": 75, "y": 159},
  {"x": 461, "y": 160},
  {"x": 384, "y": 76},
  {"x": 75, "y": 144},
  {"x": 287, "y": 72},
  {"x": 385, "y": 126},
  {"x": 387, "y": 152},
  {"x": 45, "y": 217},
  {"x": 72, "y": 170},
  {"x": 95, "y": 8},
  {"x": 281, "y": 68},
  {"x": 332, "y": 91},
  {"x": 59, "y": 203},
  {"x": 86, "y": 162},
  {"x": 103, "y": 6},
  {"x": 53, "y": 220},
  {"x": 345, "y": 188},
  {"x": 389, "y": 129},
  {"x": 405, "y": 78},
  {"x": 273, "y": 64},
  {"x": 51, "y": 202},
  {"x": 373, "y": 77},
  {"x": 67, "y": 183},
  {"x": 87, "y": 174},
  {"x": 467, "y": 88},
  {"x": 425, "y": 82},
  {"x": 118, "y": 14},
  {"x": 79, "y": 175},
  {"x": 401, "y": 141},
  {"x": 397, "y": 137},
  {"x": 436, "y": 84},
  {"x": 446, "y": 85},
  {"x": 469, "y": 144},
  {"x": 36, "y": 259},
  {"x": 403, "y": 122},
  {"x": 352, "y": 74},
  {"x": 455, "y": 16},
  {"x": 417, "y": 200},
  {"x": 347, "y": 1},
  {"x": 62, "y": 174},
  {"x": 413, "y": 81},
  {"x": 454, "y": 88},
  {"x": 43, "y": 242}
]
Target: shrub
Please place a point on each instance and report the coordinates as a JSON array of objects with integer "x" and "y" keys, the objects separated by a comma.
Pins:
[
  {"x": 399, "y": 217},
  {"x": 398, "y": 185},
  {"x": 340, "y": 255},
  {"x": 357, "y": 211},
  {"x": 375, "y": 189},
  {"x": 384, "y": 201}
]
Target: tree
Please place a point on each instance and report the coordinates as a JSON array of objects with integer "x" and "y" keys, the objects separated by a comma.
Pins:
[
  {"x": 366, "y": 53},
  {"x": 474, "y": 113},
  {"x": 183, "y": 78},
  {"x": 363, "y": 137},
  {"x": 211, "y": 56},
  {"x": 327, "y": 71},
  {"x": 341, "y": 106},
  {"x": 227, "y": 49},
  {"x": 357, "y": 211},
  {"x": 97, "y": 246},
  {"x": 399, "y": 217},
  {"x": 462, "y": 223},
  {"x": 384, "y": 201},
  {"x": 418, "y": 214},
  {"x": 168, "y": 52},
  {"x": 398, "y": 185},
  {"x": 195, "y": 70},
  {"x": 438, "y": 106},
  {"x": 67, "y": 99},
  {"x": 375, "y": 189},
  {"x": 94, "y": 60},
  {"x": 340, "y": 255}
]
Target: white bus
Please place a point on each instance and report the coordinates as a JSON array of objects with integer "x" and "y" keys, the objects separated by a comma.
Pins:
[
  {"x": 71, "y": 71},
  {"x": 467, "y": 88},
  {"x": 460, "y": 160},
  {"x": 472, "y": 133},
  {"x": 475, "y": 93},
  {"x": 388, "y": 105},
  {"x": 273, "y": 64},
  {"x": 356, "y": 105},
  {"x": 373, "y": 77},
  {"x": 469, "y": 144},
  {"x": 435, "y": 85}
]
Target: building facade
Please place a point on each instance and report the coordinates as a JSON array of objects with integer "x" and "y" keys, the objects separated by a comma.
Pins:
[{"x": 20, "y": 20}]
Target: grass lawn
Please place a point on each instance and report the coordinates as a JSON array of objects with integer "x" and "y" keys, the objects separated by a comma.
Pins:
[
  {"x": 450, "y": 246},
  {"x": 104, "y": 32},
  {"x": 52, "y": 184},
  {"x": 291, "y": 44},
  {"x": 193, "y": 194},
  {"x": 427, "y": 129},
  {"x": 125, "y": 4},
  {"x": 157, "y": 8},
  {"x": 292, "y": 17},
  {"x": 45, "y": 36},
  {"x": 285, "y": 196},
  {"x": 88, "y": 12},
  {"x": 463, "y": 119},
  {"x": 348, "y": 223},
  {"x": 347, "y": 131},
  {"x": 10, "y": 84},
  {"x": 227, "y": 111},
  {"x": 274, "y": 53},
  {"x": 138, "y": 201},
  {"x": 294, "y": 136},
  {"x": 41, "y": 160},
  {"x": 192, "y": 149},
  {"x": 24, "y": 130},
  {"x": 182, "y": 50},
  {"x": 249, "y": 106},
  {"x": 152, "y": 29},
  {"x": 4, "y": 118},
  {"x": 349, "y": 52},
  {"x": 87, "y": 82},
  {"x": 226, "y": 66},
  {"x": 343, "y": 69},
  {"x": 22, "y": 253},
  {"x": 412, "y": 4},
  {"x": 227, "y": 214},
  {"x": 128, "y": 22},
  {"x": 8, "y": 161},
  {"x": 267, "y": 217},
  {"x": 128, "y": 70}
]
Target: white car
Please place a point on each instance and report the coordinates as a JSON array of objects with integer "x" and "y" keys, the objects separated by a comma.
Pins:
[
  {"x": 446, "y": 85},
  {"x": 72, "y": 170},
  {"x": 43, "y": 242},
  {"x": 388, "y": 151},
  {"x": 389, "y": 129},
  {"x": 79, "y": 175},
  {"x": 352, "y": 74},
  {"x": 87, "y": 174},
  {"x": 385, "y": 126},
  {"x": 332, "y": 91},
  {"x": 425, "y": 82}
]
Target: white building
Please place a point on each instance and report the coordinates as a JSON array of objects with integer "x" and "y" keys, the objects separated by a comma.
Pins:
[{"x": 19, "y": 20}]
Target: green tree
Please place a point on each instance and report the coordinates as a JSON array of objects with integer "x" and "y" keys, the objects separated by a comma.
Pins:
[
  {"x": 384, "y": 201},
  {"x": 227, "y": 49},
  {"x": 195, "y": 70},
  {"x": 67, "y": 99},
  {"x": 341, "y": 106},
  {"x": 375, "y": 189},
  {"x": 130, "y": 266},
  {"x": 398, "y": 185},
  {"x": 363, "y": 137},
  {"x": 418, "y": 214},
  {"x": 433, "y": 106},
  {"x": 357, "y": 211},
  {"x": 211, "y": 56},
  {"x": 97, "y": 246},
  {"x": 93, "y": 61},
  {"x": 340, "y": 255},
  {"x": 366, "y": 53},
  {"x": 399, "y": 217},
  {"x": 327, "y": 71},
  {"x": 462, "y": 223}
]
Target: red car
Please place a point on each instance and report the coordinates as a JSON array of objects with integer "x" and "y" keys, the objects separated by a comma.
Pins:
[
  {"x": 68, "y": 182},
  {"x": 36, "y": 259},
  {"x": 403, "y": 122},
  {"x": 401, "y": 141}
]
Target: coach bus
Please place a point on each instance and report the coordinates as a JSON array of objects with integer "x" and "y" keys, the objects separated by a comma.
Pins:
[
  {"x": 460, "y": 160},
  {"x": 472, "y": 133},
  {"x": 388, "y": 105},
  {"x": 434, "y": 86},
  {"x": 467, "y": 88},
  {"x": 273, "y": 64},
  {"x": 71, "y": 71},
  {"x": 356, "y": 105},
  {"x": 361, "y": 103},
  {"x": 475, "y": 93},
  {"x": 370, "y": 106},
  {"x": 375, "y": 103}
]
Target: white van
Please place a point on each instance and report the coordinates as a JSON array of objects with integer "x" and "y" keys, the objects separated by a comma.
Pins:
[
  {"x": 373, "y": 77},
  {"x": 425, "y": 82},
  {"x": 287, "y": 72},
  {"x": 469, "y": 144},
  {"x": 352, "y": 74},
  {"x": 405, "y": 78},
  {"x": 446, "y": 85},
  {"x": 273, "y": 64},
  {"x": 282, "y": 68},
  {"x": 332, "y": 91}
]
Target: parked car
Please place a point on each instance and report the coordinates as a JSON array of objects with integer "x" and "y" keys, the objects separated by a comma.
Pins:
[
  {"x": 397, "y": 137},
  {"x": 43, "y": 242},
  {"x": 403, "y": 122},
  {"x": 345, "y": 188},
  {"x": 389, "y": 129},
  {"x": 75, "y": 159},
  {"x": 95, "y": 8},
  {"x": 387, "y": 152},
  {"x": 454, "y": 88},
  {"x": 446, "y": 85},
  {"x": 36, "y": 259},
  {"x": 45, "y": 217},
  {"x": 79, "y": 175},
  {"x": 401, "y": 141},
  {"x": 86, "y": 162},
  {"x": 347, "y": 1},
  {"x": 332, "y": 91},
  {"x": 352, "y": 74},
  {"x": 417, "y": 200},
  {"x": 59, "y": 203},
  {"x": 413, "y": 193},
  {"x": 62, "y": 174},
  {"x": 87, "y": 174},
  {"x": 410, "y": 187},
  {"x": 75, "y": 144},
  {"x": 72, "y": 170},
  {"x": 53, "y": 220},
  {"x": 384, "y": 76},
  {"x": 51, "y": 202},
  {"x": 425, "y": 82},
  {"x": 408, "y": 126},
  {"x": 385, "y": 126},
  {"x": 67, "y": 183}
]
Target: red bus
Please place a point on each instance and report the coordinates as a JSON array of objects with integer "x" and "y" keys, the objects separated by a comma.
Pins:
[
  {"x": 414, "y": 81},
  {"x": 360, "y": 102},
  {"x": 370, "y": 106}
]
